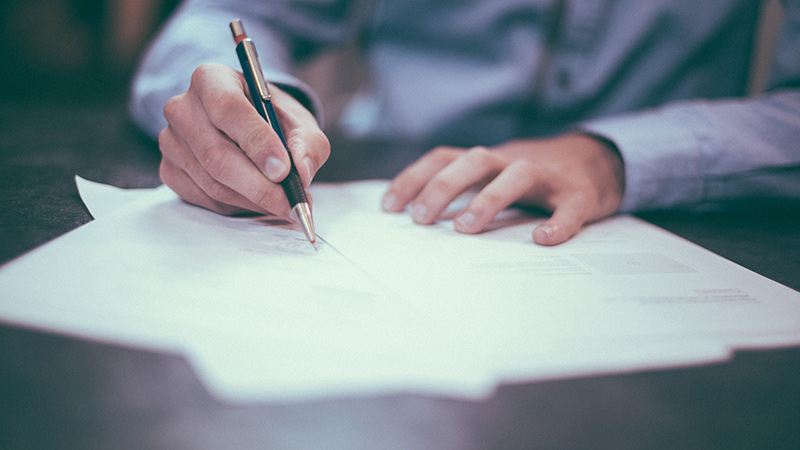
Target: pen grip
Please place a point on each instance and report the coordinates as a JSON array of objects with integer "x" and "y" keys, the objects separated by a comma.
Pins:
[
  {"x": 294, "y": 188},
  {"x": 291, "y": 184}
]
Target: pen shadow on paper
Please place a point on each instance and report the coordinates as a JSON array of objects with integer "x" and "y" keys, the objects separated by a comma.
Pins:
[{"x": 183, "y": 224}]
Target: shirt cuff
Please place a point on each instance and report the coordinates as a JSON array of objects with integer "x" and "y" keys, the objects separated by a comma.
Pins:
[{"x": 661, "y": 152}]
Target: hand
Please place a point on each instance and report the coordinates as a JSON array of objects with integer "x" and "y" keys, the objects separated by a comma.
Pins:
[
  {"x": 220, "y": 154},
  {"x": 577, "y": 177}
]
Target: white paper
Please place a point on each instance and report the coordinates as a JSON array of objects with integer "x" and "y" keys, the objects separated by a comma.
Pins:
[{"x": 386, "y": 305}]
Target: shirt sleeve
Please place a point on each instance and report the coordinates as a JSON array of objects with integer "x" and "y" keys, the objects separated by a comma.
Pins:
[
  {"x": 284, "y": 32},
  {"x": 704, "y": 155}
]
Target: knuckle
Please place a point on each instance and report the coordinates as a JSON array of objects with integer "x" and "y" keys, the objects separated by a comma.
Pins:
[
  {"x": 220, "y": 96},
  {"x": 171, "y": 108},
  {"x": 526, "y": 166},
  {"x": 479, "y": 151},
  {"x": 527, "y": 169},
  {"x": 480, "y": 156},
  {"x": 176, "y": 108},
  {"x": 164, "y": 140},
  {"x": 167, "y": 174},
  {"x": 220, "y": 107},
  {"x": 170, "y": 148},
  {"x": 490, "y": 197},
  {"x": 311, "y": 141},
  {"x": 443, "y": 154},
  {"x": 320, "y": 141},
  {"x": 441, "y": 184},
  {"x": 202, "y": 73}
]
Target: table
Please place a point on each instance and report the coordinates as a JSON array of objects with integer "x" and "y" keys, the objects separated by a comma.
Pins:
[{"x": 63, "y": 392}]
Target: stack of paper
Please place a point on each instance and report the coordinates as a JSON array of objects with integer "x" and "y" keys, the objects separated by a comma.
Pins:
[{"x": 386, "y": 305}]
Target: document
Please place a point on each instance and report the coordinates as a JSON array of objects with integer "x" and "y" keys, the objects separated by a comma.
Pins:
[{"x": 384, "y": 305}]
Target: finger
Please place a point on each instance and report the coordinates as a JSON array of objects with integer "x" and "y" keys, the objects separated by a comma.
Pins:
[
  {"x": 230, "y": 109},
  {"x": 471, "y": 168},
  {"x": 411, "y": 180},
  {"x": 213, "y": 160},
  {"x": 180, "y": 182},
  {"x": 309, "y": 146},
  {"x": 514, "y": 182},
  {"x": 184, "y": 174},
  {"x": 221, "y": 94},
  {"x": 566, "y": 220}
]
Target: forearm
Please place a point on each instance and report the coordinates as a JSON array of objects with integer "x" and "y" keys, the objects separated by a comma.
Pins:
[{"x": 705, "y": 154}]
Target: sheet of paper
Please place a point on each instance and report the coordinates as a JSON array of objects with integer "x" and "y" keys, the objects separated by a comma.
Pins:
[
  {"x": 101, "y": 199},
  {"x": 385, "y": 305},
  {"x": 619, "y": 271}
]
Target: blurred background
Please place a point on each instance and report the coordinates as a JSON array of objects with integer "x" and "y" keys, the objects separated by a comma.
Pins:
[
  {"x": 86, "y": 50},
  {"x": 82, "y": 52},
  {"x": 74, "y": 49}
]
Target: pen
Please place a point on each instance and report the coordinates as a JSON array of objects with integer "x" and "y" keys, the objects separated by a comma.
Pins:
[{"x": 262, "y": 99}]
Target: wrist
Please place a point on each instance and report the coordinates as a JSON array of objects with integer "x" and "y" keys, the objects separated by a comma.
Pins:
[{"x": 608, "y": 156}]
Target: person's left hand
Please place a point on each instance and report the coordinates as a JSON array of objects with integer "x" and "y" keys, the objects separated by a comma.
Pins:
[{"x": 577, "y": 177}]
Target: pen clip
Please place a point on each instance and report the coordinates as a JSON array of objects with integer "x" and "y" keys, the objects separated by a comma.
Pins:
[{"x": 253, "y": 64}]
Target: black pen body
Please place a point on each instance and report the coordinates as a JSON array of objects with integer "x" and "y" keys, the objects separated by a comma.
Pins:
[
  {"x": 291, "y": 184},
  {"x": 262, "y": 100}
]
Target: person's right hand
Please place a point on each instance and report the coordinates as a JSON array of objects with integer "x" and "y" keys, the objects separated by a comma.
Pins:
[{"x": 220, "y": 154}]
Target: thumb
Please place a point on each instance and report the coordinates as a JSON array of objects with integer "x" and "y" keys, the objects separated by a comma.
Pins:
[{"x": 564, "y": 223}]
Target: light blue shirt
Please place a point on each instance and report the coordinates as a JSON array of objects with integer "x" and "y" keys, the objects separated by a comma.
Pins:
[{"x": 665, "y": 80}]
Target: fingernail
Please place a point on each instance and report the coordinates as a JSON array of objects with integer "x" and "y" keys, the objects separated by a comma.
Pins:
[
  {"x": 466, "y": 220},
  {"x": 275, "y": 168},
  {"x": 389, "y": 202},
  {"x": 547, "y": 230},
  {"x": 311, "y": 168},
  {"x": 419, "y": 212}
]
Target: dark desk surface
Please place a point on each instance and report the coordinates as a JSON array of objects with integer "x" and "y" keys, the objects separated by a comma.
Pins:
[{"x": 60, "y": 392}]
